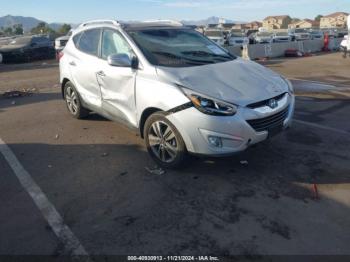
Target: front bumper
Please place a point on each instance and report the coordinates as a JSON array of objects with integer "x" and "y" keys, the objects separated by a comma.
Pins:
[{"x": 235, "y": 132}]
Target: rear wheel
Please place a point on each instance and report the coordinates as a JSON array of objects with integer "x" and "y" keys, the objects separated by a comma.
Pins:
[
  {"x": 73, "y": 102},
  {"x": 164, "y": 143}
]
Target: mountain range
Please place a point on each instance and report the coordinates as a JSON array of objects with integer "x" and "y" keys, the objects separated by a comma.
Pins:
[
  {"x": 30, "y": 22},
  {"x": 27, "y": 22}
]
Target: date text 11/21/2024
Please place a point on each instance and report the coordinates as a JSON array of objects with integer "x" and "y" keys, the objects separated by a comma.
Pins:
[{"x": 172, "y": 258}]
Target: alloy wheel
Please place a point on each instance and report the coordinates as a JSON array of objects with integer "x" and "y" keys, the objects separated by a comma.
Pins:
[
  {"x": 72, "y": 100},
  {"x": 163, "y": 142}
]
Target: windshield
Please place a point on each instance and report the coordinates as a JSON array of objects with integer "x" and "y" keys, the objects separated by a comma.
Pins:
[
  {"x": 237, "y": 34},
  {"x": 282, "y": 34},
  {"x": 178, "y": 47},
  {"x": 300, "y": 31},
  {"x": 213, "y": 33},
  {"x": 21, "y": 41},
  {"x": 264, "y": 34}
]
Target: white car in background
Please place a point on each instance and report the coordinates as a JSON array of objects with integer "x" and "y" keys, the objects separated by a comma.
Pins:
[
  {"x": 281, "y": 37},
  {"x": 237, "y": 38},
  {"x": 263, "y": 38},
  {"x": 216, "y": 35},
  {"x": 61, "y": 42},
  {"x": 316, "y": 34},
  {"x": 300, "y": 34},
  {"x": 345, "y": 43}
]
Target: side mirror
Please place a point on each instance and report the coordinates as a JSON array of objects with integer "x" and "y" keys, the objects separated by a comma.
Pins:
[{"x": 123, "y": 60}]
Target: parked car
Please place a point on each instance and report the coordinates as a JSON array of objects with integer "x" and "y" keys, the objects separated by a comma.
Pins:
[
  {"x": 300, "y": 34},
  {"x": 27, "y": 48},
  {"x": 340, "y": 33},
  {"x": 237, "y": 38},
  {"x": 251, "y": 34},
  {"x": 345, "y": 43},
  {"x": 316, "y": 34},
  {"x": 182, "y": 92},
  {"x": 216, "y": 35},
  {"x": 61, "y": 42},
  {"x": 281, "y": 37},
  {"x": 263, "y": 38}
]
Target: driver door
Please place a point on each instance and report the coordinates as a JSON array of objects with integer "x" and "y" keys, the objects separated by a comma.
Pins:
[{"x": 117, "y": 84}]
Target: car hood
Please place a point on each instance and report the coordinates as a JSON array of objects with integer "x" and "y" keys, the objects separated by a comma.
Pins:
[
  {"x": 239, "y": 81},
  {"x": 10, "y": 48}
]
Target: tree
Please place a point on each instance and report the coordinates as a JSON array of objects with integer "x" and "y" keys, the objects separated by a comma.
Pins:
[
  {"x": 65, "y": 28},
  {"x": 18, "y": 29},
  {"x": 8, "y": 31},
  {"x": 42, "y": 28},
  {"x": 318, "y": 18}
]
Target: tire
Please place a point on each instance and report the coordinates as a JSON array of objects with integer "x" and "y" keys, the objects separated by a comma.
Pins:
[
  {"x": 73, "y": 102},
  {"x": 167, "y": 152}
]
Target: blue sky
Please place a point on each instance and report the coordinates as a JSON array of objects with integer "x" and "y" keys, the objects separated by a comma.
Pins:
[{"x": 75, "y": 11}]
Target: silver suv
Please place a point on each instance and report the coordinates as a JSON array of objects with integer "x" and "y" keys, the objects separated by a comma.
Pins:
[{"x": 180, "y": 90}]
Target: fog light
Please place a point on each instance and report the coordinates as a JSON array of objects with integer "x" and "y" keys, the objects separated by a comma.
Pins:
[{"x": 215, "y": 141}]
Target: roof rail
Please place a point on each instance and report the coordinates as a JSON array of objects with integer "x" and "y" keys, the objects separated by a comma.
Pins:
[
  {"x": 113, "y": 22},
  {"x": 168, "y": 22}
]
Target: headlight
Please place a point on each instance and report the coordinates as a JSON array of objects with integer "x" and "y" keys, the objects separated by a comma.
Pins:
[
  {"x": 210, "y": 106},
  {"x": 290, "y": 85}
]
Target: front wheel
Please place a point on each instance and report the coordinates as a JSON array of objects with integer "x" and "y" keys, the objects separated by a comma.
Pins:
[{"x": 164, "y": 142}]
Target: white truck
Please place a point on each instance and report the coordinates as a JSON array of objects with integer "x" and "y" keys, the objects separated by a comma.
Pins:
[{"x": 61, "y": 42}]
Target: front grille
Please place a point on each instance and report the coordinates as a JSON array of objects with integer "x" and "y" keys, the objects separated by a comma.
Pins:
[
  {"x": 265, "y": 102},
  {"x": 271, "y": 122}
]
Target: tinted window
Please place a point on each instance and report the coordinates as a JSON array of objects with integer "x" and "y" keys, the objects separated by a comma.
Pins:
[
  {"x": 89, "y": 41},
  {"x": 114, "y": 43}
]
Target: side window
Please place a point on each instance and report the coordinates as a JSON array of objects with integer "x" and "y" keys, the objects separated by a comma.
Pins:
[
  {"x": 114, "y": 43},
  {"x": 89, "y": 41},
  {"x": 76, "y": 39}
]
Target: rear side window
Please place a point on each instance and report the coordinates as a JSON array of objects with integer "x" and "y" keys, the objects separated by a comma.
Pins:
[
  {"x": 76, "y": 39},
  {"x": 89, "y": 41}
]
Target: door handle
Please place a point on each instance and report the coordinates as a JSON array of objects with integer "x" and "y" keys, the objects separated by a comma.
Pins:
[
  {"x": 72, "y": 63},
  {"x": 101, "y": 73}
]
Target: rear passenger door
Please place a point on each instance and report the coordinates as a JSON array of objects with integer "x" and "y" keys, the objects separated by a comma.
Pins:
[{"x": 83, "y": 67}]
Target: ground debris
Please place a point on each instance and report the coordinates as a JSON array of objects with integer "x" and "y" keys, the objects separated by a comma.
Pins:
[
  {"x": 57, "y": 136},
  {"x": 244, "y": 162},
  {"x": 155, "y": 171},
  {"x": 105, "y": 155},
  {"x": 16, "y": 93}
]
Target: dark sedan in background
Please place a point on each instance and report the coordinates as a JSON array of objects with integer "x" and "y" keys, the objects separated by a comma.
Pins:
[{"x": 27, "y": 48}]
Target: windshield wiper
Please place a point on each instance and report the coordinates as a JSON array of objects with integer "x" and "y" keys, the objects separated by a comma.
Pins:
[
  {"x": 175, "y": 56},
  {"x": 206, "y": 54}
]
